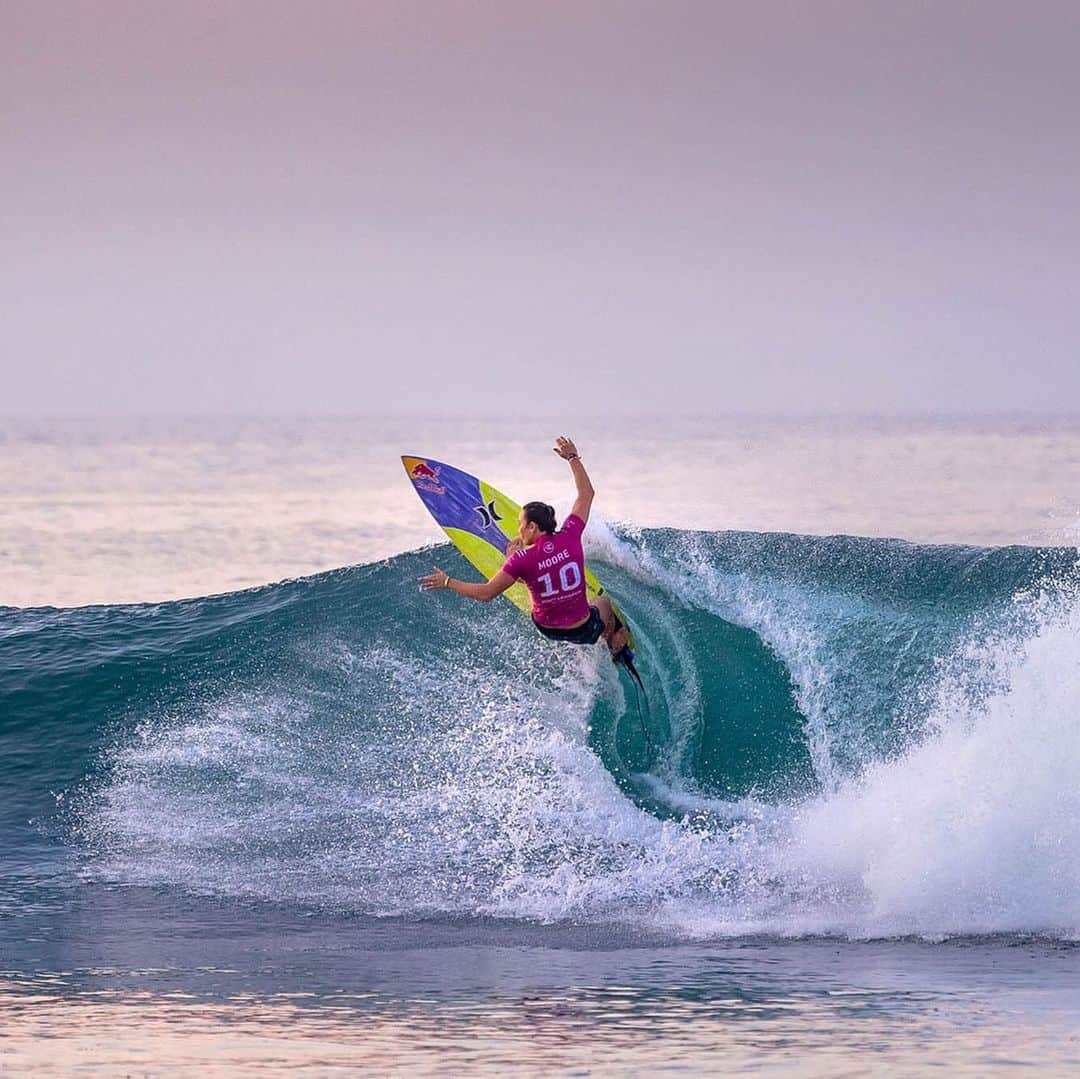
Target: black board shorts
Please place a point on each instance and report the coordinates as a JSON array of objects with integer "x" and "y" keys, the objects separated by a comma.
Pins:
[{"x": 587, "y": 633}]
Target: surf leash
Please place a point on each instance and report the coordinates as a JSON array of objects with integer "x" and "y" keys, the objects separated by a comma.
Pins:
[{"x": 626, "y": 658}]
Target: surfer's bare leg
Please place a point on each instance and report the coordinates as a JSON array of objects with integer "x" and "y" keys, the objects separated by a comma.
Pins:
[{"x": 614, "y": 638}]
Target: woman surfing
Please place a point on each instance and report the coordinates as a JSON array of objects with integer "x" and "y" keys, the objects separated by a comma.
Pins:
[{"x": 552, "y": 565}]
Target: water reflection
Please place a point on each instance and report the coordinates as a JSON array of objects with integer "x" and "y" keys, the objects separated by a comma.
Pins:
[
  {"x": 139, "y": 981},
  {"x": 771, "y": 1006}
]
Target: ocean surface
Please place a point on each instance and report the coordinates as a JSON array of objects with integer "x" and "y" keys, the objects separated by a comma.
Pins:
[{"x": 264, "y": 805}]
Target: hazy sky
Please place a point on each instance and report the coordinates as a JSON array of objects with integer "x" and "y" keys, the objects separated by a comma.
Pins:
[{"x": 539, "y": 207}]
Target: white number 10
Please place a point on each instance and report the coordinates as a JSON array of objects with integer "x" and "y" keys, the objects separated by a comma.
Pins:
[{"x": 569, "y": 579}]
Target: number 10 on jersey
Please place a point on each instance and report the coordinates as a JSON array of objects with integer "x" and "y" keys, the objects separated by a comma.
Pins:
[{"x": 569, "y": 580}]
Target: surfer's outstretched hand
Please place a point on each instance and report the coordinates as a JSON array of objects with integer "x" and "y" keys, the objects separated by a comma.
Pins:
[
  {"x": 437, "y": 579},
  {"x": 565, "y": 448}
]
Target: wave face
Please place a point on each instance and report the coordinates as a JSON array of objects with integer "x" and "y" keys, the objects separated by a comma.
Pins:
[{"x": 850, "y": 736}]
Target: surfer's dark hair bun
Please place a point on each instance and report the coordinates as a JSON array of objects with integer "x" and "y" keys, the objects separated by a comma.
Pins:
[{"x": 541, "y": 515}]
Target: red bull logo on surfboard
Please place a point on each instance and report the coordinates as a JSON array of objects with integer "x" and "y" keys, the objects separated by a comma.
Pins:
[{"x": 424, "y": 475}]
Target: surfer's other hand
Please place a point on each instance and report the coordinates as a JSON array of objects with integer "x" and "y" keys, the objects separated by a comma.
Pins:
[
  {"x": 437, "y": 579},
  {"x": 565, "y": 448},
  {"x": 514, "y": 546}
]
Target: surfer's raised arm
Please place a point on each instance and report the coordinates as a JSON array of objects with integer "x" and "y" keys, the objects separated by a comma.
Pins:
[{"x": 566, "y": 449}]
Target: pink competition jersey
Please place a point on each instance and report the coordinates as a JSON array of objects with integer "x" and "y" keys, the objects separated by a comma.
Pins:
[{"x": 553, "y": 569}]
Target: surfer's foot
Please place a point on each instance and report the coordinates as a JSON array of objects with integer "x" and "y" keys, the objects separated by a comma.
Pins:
[
  {"x": 618, "y": 639},
  {"x": 616, "y": 635}
]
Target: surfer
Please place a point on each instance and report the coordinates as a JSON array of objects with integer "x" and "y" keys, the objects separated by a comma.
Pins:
[{"x": 552, "y": 565}]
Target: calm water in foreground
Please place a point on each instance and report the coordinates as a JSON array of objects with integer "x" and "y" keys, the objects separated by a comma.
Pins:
[
  {"x": 140, "y": 984},
  {"x": 332, "y": 826}
]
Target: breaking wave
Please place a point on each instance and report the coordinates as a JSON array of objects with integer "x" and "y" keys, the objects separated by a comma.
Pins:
[{"x": 839, "y": 735}]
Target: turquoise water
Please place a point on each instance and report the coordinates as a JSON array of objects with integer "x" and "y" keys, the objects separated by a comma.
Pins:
[
  {"x": 863, "y": 755},
  {"x": 345, "y": 741}
]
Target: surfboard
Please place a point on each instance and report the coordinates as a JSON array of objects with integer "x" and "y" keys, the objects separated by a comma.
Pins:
[{"x": 480, "y": 521}]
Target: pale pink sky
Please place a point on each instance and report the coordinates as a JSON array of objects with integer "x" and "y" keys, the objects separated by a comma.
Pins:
[{"x": 348, "y": 207}]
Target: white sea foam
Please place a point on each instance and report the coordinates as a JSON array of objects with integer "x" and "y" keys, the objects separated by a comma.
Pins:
[{"x": 977, "y": 829}]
